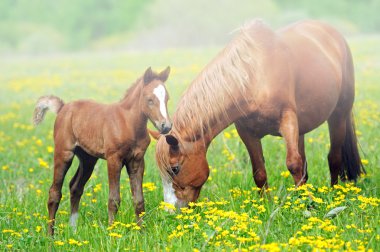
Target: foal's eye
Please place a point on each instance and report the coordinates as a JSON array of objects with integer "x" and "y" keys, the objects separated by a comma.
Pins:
[
  {"x": 175, "y": 169},
  {"x": 150, "y": 102}
]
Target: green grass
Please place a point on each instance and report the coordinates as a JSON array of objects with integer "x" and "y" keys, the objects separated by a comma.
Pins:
[{"x": 230, "y": 215}]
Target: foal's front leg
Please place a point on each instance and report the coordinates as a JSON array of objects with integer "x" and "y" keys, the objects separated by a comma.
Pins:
[
  {"x": 136, "y": 172},
  {"x": 114, "y": 168},
  {"x": 290, "y": 132}
]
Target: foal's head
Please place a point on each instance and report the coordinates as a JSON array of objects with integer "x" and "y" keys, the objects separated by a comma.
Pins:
[{"x": 154, "y": 98}]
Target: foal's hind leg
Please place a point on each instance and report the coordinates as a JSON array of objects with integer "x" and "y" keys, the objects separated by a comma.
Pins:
[
  {"x": 301, "y": 148},
  {"x": 337, "y": 129},
  {"x": 290, "y": 133},
  {"x": 135, "y": 170},
  {"x": 77, "y": 183},
  {"x": 253, "y": 145},
  {"x": 62, "y": 162}
]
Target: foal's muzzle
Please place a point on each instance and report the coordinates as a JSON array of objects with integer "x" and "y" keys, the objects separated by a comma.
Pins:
[{"x": 165, "y": 127}]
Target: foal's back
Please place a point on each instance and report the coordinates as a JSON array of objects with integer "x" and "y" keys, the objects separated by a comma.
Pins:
[{"x": 93, "y": 126}]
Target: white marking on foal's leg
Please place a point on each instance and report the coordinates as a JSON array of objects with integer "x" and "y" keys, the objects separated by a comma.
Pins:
[
  {"x": 160, "y": 92},
  {"x": 73, "y": 220},
  {"x": 169, "y": 195}
]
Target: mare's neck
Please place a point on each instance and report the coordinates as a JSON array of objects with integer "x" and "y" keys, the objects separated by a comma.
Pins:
[{"x": 203, "y": 134}]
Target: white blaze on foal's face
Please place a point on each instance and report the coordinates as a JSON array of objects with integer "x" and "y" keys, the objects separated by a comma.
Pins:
[{"x": 160, "y": 92}]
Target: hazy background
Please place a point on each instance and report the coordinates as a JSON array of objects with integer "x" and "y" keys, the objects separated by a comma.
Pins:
[{"x": 44, "y": 26}]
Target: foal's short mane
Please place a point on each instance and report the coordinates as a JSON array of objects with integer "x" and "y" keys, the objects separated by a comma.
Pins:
[
  {"x": 214, "y": 89},
  {"x": 134, "y": 90}
]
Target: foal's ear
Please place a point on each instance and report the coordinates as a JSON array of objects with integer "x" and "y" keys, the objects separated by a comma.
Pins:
[
  {"x": 148, "y": 76},
  {"x": 155, "y": 134},
  {"x": 163, "y": 76}
]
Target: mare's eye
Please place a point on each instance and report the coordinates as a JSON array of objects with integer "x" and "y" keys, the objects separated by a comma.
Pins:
[
  {"x": 175, "y": 169},
  {"x": 150, "y": 102}
]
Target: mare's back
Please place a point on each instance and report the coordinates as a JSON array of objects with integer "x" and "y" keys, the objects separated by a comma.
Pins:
[{"x": 318, "y": 55}]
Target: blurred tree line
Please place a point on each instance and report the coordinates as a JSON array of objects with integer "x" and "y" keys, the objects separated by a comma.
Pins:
[
  {"x": 68, "y": 24},
  {"x": 363, "y": 13},
  {"x": 48, "y": 25}
]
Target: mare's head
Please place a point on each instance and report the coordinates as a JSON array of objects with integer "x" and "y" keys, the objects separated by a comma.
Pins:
[
  {"x": 184, "y": 168},
  {"x": 154, "y": 98}
]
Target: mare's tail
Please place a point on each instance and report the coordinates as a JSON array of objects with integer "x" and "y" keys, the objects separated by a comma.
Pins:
[
  {"x": 44, "y": 103},
  {"x": 352, "y": 163}
]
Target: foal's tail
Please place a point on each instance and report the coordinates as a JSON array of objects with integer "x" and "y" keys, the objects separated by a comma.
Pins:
[
  {"x": 44, "y": 103},
  {"x": 352, "y": 163}
]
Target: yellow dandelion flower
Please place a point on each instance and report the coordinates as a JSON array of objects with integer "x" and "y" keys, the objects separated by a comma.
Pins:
[
  {"x": 227, "y": 135},
  {"x": 167, "y": 206},
  {"x": 285, "y": 174},
  {"x": 59, "y": 243},
  {"x": 116, "y": 235},
  {"x": 39, "y": 142},
  {"x": 50, "y": 149},
  {"x": 42, "y": 163}
]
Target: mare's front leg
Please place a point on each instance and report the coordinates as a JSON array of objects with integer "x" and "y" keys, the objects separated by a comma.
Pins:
[
  {"x": 255, "y": 151},
  {"x": 301, "y": 148},
  {"x": 290, "y": 132},
  {"x": 114, "y": 164},
  {"x": 135, "y": 170}
]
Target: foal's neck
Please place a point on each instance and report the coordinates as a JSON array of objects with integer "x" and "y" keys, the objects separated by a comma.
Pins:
[{"x": 131, "y": 104}]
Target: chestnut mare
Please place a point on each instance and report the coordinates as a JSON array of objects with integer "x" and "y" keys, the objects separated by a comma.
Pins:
[
  {"x": 283, "y": 83},
  {"x": 116, "y": 132}
]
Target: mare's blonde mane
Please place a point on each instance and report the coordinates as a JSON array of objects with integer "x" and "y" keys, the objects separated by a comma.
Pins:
[{"x": 224, "y": 82}]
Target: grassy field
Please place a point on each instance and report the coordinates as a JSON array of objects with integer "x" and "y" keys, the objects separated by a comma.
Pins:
[{"x": 230, "y": 215}]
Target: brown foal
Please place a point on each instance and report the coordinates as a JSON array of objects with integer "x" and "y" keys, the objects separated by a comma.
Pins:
[{"x": 116, "y": 132}]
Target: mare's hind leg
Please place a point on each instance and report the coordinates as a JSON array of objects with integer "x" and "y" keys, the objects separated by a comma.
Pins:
[
  {"x": 290, "y": 133},
  {"x": 301, "y": 148},
  {"x": 337, "y": 129},
  {"x": 253, "y": 145},
  {"x": 77, "y": 183},
  {"x": 62, "y": 162}
]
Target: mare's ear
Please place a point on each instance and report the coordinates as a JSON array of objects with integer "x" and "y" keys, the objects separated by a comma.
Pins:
[
  {"x": 155, "y": 134},
  {"x": 163, "y": 76},
  {"x": 148, "y": 76},
  {"x": 173, "y": 142}
]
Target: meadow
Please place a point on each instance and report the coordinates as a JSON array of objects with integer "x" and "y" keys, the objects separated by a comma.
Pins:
[{"x": 230, "y": 215}]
